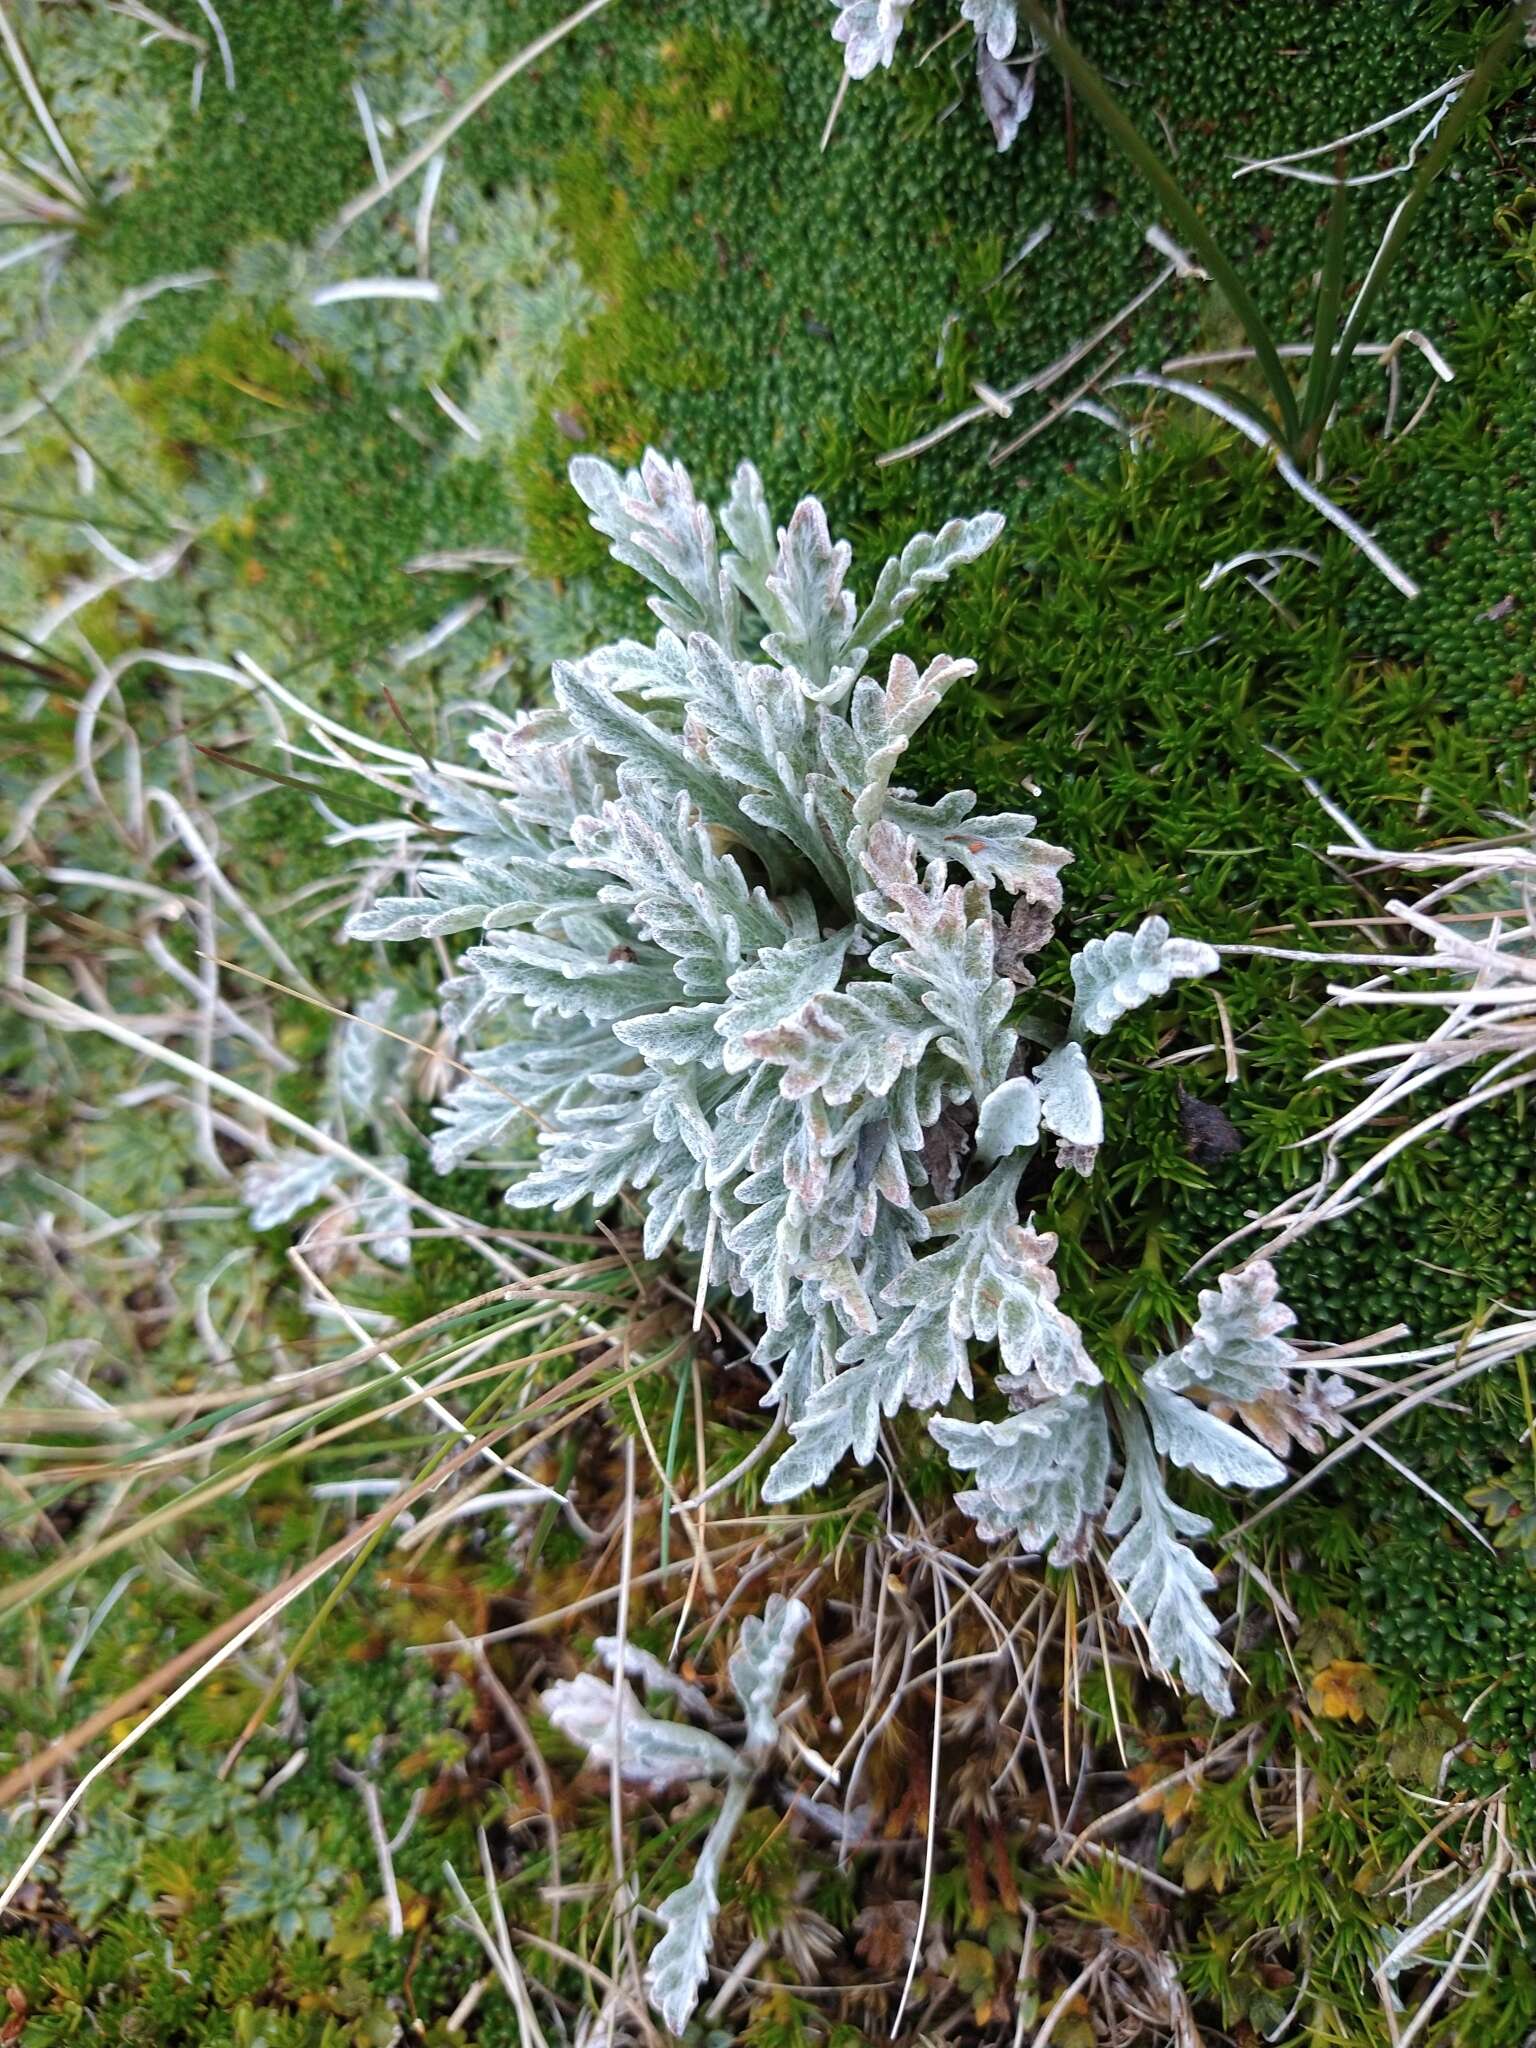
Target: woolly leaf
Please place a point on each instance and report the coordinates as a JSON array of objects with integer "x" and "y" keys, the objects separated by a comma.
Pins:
[
  {"x": 1041, "y": 1475},
  {"x": 650, "y": 1672},
  {"x": 600, "y": 1147},
  {"x": 805, "y": 1351},
  {"x": 1007, "y": 94},
  {"x": 1163, "y": 1584},
  {"x": 946, "y": 960},
  {"x": 661, "y": 757},
  {"x": 1070, "y": 1106},
  {"x": 749, "y": 527},
  {"x": 1236, "y": 1351},
  {"x": 366, "y": 1055},
  {"x": 1306, "y": 1411},
  {"x": 729, "y": 972},
  {"x": 869, "y": 31},
  {"x": 750, "y": 726},
  {"x": 679, "y": 1963},
  {"x": 589, "y": 1712},
  {"x": 1009, "y": 1120},
  {"x": 569, "y": 977},
  {"x": 995, "y": 23},
  {"x": 812, "y": 612},
  {"x": 520, "y": 1079},
  {"x": 277, "y": 1190},
  {"x": 509, "y": 889},
  {"x": 678, "y": 891},
  {"x": 864, "y": 747},
  {"x": 998, "y": 851},
  {"x": 681, "y": 1036},
  {"x": 927, "y": 559},
  {"x": 855, "y": 1043},
  {"x": 776, "y": 987},
  {"x": 1120, "y": 973},
  {"x": 759, "y": 1662},
  {"x": 658, "y": 527},
  {"x": 383, "y": 1216},
  {"x": 918, "y": 1365},
  {"x": 997, "y": 1281},
  {"x": 1199, "y": 1442}
]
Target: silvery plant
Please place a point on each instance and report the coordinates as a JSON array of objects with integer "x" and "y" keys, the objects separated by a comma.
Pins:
[
  {"x": 869, "y": 31},
  {"x": 365, "y": 1071},
  {"x": 732, "y": 972},
  {"x": 606, "y": 1720}
]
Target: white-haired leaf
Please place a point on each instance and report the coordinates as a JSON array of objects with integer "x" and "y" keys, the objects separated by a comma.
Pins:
[
  {"x": 758, "y": 1664},
  {"x": 1197, "y": 1441},
  {"x": 658, "y": 527},
  {"x": 1070, "y": 1107},
  {"x": 585, "y": 1709},
  {"x": 927, "y": 559},
  {"x": 945, "y": 958},
  {"x": 999, "y": 850},
  {"x": 812, "y": 612},
  {"x": 277, "y": 1190},
  {"x": 869, "y": 31},
  {"x": 996, "y": 1280},
  {"x": 918, "y": 1364},
  {"x": 1237, "y": 1350},
  {"x": 679, "y": 1963},
  {"x": 1163, "y": 1584},
  {"x": 1041, "y": 1475},
  {"x": 1118, "y": 974},
  {"x": 995, "y": 22},
  {"x": 650, "y": 1672},
  {"x": 1009, "y": 1120},
  {"x": 847, "y": 1044}
]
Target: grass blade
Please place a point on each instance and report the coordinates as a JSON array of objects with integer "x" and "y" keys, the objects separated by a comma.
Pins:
[
  {"x": 1325, "y": 318},
  {"x": 1192, "y": 229},
  {"x": 1468, "y": 104}
]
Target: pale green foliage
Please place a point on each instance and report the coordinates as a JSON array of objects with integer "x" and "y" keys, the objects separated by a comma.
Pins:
[
  {"x": 366, "y": 1071},
  {"x": 285, "y": 1879},
  {"x": 608, "y": 1722},
  {"x": 729, "y": 965},
  {"x": 509, "y": 299},
  {"x": 1043, "y": 1475},
  {"x": 102, "y": 1871},
  {"x": 190, "y": 1799}
]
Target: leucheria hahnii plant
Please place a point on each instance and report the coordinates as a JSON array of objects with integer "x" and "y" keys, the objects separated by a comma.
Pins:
[
  {"x": 609, "y": 1723},
  {"x": 729, "y": 966}
]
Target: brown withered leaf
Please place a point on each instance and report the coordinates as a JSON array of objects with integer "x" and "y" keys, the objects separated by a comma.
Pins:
[
  {"x": 886, "y": 1933},
  {"x": 947, "y": 1146},
  {"x": 1347, "y": 1691},
  {"x": 1027, "y": 931},
  {"x": 1306, "y": 1413}
]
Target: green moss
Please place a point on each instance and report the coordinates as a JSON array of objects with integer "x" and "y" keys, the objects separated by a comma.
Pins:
[
  {"x": 815, "y": 308},
  {"x": 278, "y": 156},
  {"x": 352, "y": 496}
]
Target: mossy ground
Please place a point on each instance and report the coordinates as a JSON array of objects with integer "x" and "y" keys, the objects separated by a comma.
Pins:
[{"x": 752, "y": 296}]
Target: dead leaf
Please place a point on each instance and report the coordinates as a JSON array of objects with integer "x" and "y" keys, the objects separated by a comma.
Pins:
[{"x": 886, "y": 1933}]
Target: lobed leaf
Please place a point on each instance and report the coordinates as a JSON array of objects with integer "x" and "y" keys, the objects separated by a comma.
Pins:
[{"x": 1115, "y": 975}]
